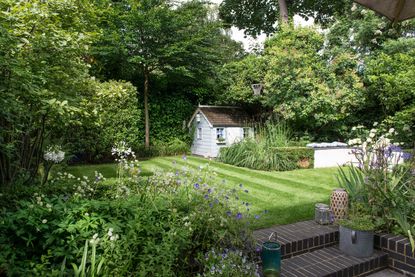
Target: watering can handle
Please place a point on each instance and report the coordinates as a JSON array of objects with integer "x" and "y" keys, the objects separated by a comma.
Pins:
[{"x": 273, "y": 234}]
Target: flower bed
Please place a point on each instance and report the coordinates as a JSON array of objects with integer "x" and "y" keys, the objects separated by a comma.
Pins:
[{"x": 163, "y": 225}]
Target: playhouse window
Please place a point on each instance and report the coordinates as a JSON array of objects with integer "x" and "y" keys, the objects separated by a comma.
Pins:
[
  {"x": 220, "y": 134},
  {"x": 199, "y": 133}
]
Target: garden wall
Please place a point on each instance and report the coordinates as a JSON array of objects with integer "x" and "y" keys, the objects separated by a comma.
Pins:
[
  {"x": 401, "y": 256},
  {"x": 339, "y": 154}
]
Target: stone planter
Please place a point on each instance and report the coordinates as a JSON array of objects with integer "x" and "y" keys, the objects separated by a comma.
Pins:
[{"x": 356, "y": 243}]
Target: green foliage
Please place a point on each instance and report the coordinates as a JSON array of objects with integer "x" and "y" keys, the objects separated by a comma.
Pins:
[
  {"x": 352, "y": 180},
  {"x": 268, "y": 151},
  {"x": 262, "y": 16},
  {"x": 228, "y": 263},
  {"x": 383, "y": 189},
  {"x": 314, "y": 93},
  {"x": 144, "y": 226},
  {"x": 361, "y": 223},
  {"x": 42, "y": 76},
  {"x": 359, "y": 218},
  {"x": 111, "y": 114}
]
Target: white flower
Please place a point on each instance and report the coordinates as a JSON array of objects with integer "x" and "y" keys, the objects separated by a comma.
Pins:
[
  {"x": 378, "y": 32},
  {"x": 354, "y": 129},
  {"x": 95, "y": 236},
  {"x": 391, "y": 131},
  {"x": 372, "y": 135},
  {"x": 48, "y": 206},
  {"x": 354, "y": 7},
  {"x": 44, "y": 221},
  {"x": 368, "y": 140},
  {"x": 54, "y": 154}
]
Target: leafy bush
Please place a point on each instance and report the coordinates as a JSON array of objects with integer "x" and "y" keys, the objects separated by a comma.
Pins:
[
  {"x": 155, "y": 226},
  {"x": 268, "y": 151},
  {"x": 386, "y": 190}
]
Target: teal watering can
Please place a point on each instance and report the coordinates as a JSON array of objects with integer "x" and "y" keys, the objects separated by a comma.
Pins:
[{"x": 271, "y": 257}]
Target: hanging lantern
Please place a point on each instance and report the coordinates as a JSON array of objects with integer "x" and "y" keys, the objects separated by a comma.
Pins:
[
  {"x": 339, "y": 204},
  {"x": 257, "y": 88}
]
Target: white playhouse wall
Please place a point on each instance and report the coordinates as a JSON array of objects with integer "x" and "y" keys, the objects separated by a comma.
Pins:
[
  {"x": 203, "y": 146},
  {"x": 208, "y": 146}
]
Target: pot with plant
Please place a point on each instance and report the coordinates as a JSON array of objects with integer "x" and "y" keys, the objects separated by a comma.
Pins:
[{"x": 356, "y": 233}]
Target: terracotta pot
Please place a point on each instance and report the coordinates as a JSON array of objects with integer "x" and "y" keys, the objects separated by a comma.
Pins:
[{"x": 339, "y": 203}]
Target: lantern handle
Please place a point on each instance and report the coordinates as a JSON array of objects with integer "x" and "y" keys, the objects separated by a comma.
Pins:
[{"x": 273, "y": 234}]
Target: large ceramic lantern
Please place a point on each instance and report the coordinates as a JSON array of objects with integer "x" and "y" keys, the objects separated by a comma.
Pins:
[{"x": 339, "y": 203}]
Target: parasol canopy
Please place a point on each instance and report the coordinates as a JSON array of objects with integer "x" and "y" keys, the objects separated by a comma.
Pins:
[{"x": 395, "y": 10}]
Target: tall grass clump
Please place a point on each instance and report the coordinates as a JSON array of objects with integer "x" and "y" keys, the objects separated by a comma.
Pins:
[{"x": 261, "y": 152}]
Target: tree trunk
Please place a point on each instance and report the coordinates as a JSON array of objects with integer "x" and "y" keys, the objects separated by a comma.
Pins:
[
  {"x": 146, "y": 114},
  {"x": 283, "y": 11}
]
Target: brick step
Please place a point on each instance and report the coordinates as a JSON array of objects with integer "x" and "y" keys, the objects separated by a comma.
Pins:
[
  {"x": 332, "y": 262},
  {"x": 300, "y": 237}
]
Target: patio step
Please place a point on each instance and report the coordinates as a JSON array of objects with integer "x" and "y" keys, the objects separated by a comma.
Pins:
[
  {"x": 330, "y": 261},
  {"x": 300, "y": 237}
]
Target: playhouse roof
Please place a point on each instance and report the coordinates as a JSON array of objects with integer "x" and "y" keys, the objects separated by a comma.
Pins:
[{"x": 223, "y": 116}]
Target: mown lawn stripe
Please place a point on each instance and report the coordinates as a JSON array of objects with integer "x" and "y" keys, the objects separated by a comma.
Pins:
[
  {"x": 283, "y": 186},
  {"x": 295, "y": 174}
]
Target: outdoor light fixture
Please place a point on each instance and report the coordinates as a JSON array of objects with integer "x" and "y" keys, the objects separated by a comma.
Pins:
[
  {"x": 257, "y": 88},
  {"x": 198, "y": 118}
]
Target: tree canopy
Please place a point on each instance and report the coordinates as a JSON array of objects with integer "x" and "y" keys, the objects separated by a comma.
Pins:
[{"x": 257, "y": 16}]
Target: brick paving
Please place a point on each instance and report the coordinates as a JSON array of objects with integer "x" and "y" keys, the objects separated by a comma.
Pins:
[
  {"x": 300, "y": 237},
  {"x": 310, "y": 250},
  {"x": 331, "y": 261}
]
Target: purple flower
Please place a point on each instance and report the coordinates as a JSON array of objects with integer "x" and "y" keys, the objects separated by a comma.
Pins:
[
  {"x": 184, "y": 158},
  {"x": 240, "y": 185},
  {"x": 257, "y": 216},
  {"x": 210, "y": 205},
  {"x": 216, "y": 201},
  {"x": 247, "y": 204},
  {"x": 246, "y": 191},
  {"x": 209, "y": 190},
  {"x": 206, "y": 196},
  {"x": 196, "y": 186},
  {"x": 406, "y": 156},
  {"x": 229, "y": 213},
  {"x": 258, "y": 249},
  {"x": 238, "y": 216}
]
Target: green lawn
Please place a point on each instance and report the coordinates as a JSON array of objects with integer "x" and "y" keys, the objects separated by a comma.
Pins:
[{"x": 288, "y": 196}]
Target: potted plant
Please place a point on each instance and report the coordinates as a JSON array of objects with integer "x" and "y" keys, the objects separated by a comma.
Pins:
[{"x": 356, "y": 233}]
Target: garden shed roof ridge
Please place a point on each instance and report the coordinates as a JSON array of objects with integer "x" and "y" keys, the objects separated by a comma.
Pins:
[{"x": 223, "y": 116}]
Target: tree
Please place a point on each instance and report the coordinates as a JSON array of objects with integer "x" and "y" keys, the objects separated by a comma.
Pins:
[
  {"x": 156, "y": 44},
  {"x": 256, "y": 16},
  {"x": 311, "y": 93},
  {"x": 43, "y": 46}
]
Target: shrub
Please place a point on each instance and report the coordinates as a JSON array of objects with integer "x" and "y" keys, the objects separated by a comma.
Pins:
[
  {"x": 156, "y": 226},
  {"x": 384, "y": 188}
]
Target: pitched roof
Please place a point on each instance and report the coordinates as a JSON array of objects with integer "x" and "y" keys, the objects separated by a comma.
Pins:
[{"x": 224, "y": 116}]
